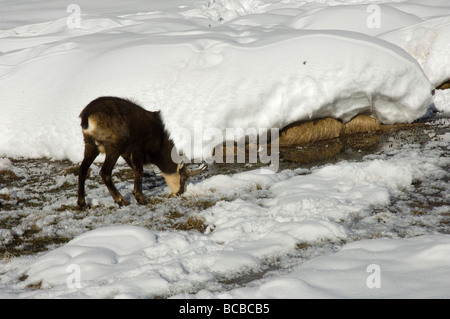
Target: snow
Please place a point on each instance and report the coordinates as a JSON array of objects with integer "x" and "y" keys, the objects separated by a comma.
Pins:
[
  {"x": 270, "y": 63},
  {"x": 250, "y": 235},
  {"x": 405, "y": 268},
  {"x": 428, "y": 42},
  {"x": 331, "y": 18},
  {"x": 236, "y": 64},
  {"x": 126, "y": 260},
  {"x": 442, "y": 101}
]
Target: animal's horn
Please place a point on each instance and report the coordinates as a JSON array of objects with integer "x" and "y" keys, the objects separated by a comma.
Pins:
[{"x": 199, "y": 170}]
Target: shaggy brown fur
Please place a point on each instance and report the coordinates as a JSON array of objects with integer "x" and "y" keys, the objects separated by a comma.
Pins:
[{"x": 118, "y": 127}]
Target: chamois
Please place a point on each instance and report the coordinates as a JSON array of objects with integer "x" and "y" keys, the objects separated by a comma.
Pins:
[{"x": 119, "y": 127}]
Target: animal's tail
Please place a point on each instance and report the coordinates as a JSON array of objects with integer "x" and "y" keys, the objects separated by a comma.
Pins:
[{"x": 84, "y": 122}]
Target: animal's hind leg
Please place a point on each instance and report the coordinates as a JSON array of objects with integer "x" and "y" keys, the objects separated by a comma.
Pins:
[
  {"x": 90, "y": 153},
  {"x": 105, "y": 173}
]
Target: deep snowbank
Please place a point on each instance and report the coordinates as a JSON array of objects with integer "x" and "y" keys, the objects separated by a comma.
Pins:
[
  {"x": 429, "y": 43},
  {"x": 257, "y": 68}
]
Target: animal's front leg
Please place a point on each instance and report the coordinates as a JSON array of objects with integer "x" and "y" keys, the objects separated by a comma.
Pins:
[
  {"x": 135, "y": 162},
  {"x": 105, "y": 173}
]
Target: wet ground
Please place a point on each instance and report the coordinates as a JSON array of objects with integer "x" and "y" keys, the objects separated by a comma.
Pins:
[{"x": 38, "y": 210}]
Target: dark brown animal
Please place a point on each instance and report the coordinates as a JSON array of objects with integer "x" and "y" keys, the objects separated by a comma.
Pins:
[{"x": 118, "y": 127}]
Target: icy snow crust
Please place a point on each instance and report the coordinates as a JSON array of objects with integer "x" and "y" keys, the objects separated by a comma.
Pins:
[{"x": 235, "y": 64}]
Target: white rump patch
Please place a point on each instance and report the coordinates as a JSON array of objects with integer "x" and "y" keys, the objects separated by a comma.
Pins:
[{"x": 92, "y": 125}]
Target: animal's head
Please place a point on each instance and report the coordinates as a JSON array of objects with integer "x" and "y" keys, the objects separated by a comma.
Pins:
[{"x": 178, "y": 180}]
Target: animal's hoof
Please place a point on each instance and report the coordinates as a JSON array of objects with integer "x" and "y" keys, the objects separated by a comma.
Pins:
[
  {"x": 140, "y": 198},
  {"x": 82, "y": 205},
  {"x": 141, "y": 201},
  {"x": 122, "y": 202}
]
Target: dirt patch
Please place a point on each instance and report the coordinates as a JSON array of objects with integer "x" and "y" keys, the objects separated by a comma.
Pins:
[
  {"x": 444, "y": 86},
  {"x": 308, "y": 132},
  {"x": 300, "y": 133},
  {"x": 316, "y": 141},
  {"x": 357, "y": 138},
  {"x": 7, "y": 177}
]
